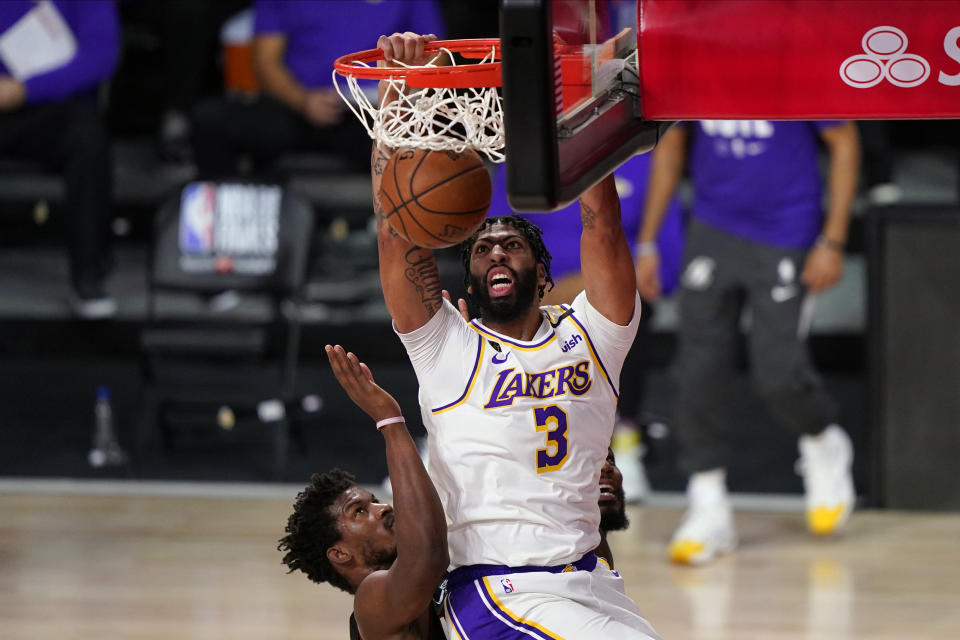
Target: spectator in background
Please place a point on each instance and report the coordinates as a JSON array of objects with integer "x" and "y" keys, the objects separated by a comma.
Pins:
[
  {"x": 561, "y": 232},
  {"x": 169, "y": 65},
  {"x": 758, "y": 239},
  {"x": 53, "y": 59},
  {"x": 295, "y": 44}
]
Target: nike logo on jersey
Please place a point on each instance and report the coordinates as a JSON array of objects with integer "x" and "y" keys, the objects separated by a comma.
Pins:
[{"x": 500, "y": 358}]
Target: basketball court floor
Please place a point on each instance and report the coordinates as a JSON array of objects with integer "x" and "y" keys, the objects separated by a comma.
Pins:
[{"x": 174, "y": 560}]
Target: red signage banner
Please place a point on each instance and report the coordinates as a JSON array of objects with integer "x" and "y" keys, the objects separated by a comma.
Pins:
[{"x": 799, "y": 59}]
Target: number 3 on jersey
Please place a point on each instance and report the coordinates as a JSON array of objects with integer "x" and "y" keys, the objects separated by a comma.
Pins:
[{"x": 552, "y": 420}]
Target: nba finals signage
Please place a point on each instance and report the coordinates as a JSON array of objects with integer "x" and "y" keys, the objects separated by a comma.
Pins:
[
  {"x": 799, "y": 59},
  {"x": 229, "y": 228}
]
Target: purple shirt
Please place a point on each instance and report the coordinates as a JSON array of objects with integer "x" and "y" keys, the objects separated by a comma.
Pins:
[
  {"x": 759, "y": 179},
  {"x": 320, "y": 31},
  {"x": 561, "y": 229},
  {"x": 95, "y": 27}
]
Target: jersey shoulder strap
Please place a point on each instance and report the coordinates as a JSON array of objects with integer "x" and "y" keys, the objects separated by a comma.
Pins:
[{"x": 354, "y": 631}]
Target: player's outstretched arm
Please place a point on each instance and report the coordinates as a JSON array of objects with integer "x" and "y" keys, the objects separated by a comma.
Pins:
[
  {"x": 408, "y": 273},
  {"x": 388, "y": 601},
  {"x": 666, "y": 170},
  {"x": 605, "y": 259}
]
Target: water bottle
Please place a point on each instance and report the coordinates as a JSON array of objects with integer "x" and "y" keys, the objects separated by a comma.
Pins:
[{"x": 106, "y": 450}]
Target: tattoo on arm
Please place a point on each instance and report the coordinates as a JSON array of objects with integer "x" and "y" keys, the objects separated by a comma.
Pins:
[
  {"x": 421, "y": 271},
  {"x": 381, "y": 219},
  {"x": 379, "y": 163},
  {"x": 587, "y": 216}
]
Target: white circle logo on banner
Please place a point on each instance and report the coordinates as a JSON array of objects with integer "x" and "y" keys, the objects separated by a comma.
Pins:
[{"x": 884, "y": 56}]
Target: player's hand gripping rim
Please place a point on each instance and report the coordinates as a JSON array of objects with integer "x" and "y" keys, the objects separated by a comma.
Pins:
[{"x": 405, "y": 49}]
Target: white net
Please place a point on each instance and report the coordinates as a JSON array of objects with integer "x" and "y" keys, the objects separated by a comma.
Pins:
[{"x": 435, "y": 118}]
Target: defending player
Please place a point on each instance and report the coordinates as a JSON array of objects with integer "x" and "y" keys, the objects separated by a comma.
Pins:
[
  {"x": 339, "y": 533},
  {"x": 519, "y": 406},
  {"x": 391, "y": 560},
  {"x": 613, "y": 505}
]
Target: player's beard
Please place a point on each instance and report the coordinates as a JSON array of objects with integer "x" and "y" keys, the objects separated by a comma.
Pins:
[
  {"x": 615, "y": 518},
  {"x": 506, "y": 308},
  {"x": 379, "y": 558}
]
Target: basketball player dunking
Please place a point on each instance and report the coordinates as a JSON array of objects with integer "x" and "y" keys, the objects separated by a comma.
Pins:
[
  {"x": 519, "y": 406},
  {"x": 391, "y": 561}
]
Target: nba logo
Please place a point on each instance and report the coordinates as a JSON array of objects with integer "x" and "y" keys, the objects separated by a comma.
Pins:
[
  {"x": 507, "y": 585},
  {"x": 198, "y": 208}
]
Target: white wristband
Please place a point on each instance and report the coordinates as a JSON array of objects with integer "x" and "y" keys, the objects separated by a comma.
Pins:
[
  {"x": 647, "y": 249},
  {"x": 830, "y": 244},
  {"x": 381, "y": 424}
]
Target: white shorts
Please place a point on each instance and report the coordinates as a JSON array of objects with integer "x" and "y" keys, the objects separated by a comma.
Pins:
[{"x": 552, "y": 604}]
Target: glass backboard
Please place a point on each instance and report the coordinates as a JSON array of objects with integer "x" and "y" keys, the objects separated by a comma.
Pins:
[{"x": 571, "y": 97}]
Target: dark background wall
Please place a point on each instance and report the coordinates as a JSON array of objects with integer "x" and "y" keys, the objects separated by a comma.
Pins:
[{"x": 51, "y": 364}]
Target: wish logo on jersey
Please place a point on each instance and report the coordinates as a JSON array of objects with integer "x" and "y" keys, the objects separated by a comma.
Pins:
[
  {"x": 511, "y": 384},
  {"x": 574, "y": 340}
]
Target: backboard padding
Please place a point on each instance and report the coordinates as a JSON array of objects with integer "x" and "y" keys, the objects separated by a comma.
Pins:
[{"x": 570, "y": 118}]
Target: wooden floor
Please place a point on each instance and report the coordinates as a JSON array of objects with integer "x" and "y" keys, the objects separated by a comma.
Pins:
[{"x": 75, "y": 565}]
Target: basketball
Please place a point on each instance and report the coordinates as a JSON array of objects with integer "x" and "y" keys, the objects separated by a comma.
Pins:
[{"x": 435, "y": 199}]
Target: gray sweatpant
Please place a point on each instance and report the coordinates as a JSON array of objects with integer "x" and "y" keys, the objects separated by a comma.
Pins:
[{"x": 724, "y": 274}]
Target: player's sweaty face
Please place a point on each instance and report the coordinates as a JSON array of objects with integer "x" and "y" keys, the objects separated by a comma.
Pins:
[
  {"x": 362, "y": 518},
  {"x": 503, "y": 273}
]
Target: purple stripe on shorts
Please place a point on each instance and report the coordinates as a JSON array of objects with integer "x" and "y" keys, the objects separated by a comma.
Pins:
[{"x": 476, "y": 616}]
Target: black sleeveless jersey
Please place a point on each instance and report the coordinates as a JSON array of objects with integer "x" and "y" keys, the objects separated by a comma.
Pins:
[{"x": 435, "y": 633}]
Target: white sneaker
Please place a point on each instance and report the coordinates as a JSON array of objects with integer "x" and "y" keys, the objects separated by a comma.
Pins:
[
  {"x": 885, "y": 193},
  {"x": 707, "y": 526},
  {"x": 825, "y": 461},
  {"x": 628, "y": 450},
  {"x": 99, "y": 307}
]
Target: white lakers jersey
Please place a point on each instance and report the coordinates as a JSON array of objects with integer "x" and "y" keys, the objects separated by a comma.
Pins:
[{"x": 518, "y": 431}]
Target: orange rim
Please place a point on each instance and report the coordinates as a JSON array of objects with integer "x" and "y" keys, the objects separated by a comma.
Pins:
[{"x": 464, "y": 76}]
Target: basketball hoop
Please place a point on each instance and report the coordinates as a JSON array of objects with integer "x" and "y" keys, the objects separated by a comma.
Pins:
[{"x": 439, "y": 107}]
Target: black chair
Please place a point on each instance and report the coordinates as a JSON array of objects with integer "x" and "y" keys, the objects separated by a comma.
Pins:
[{"x": 219, "y": 347}]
